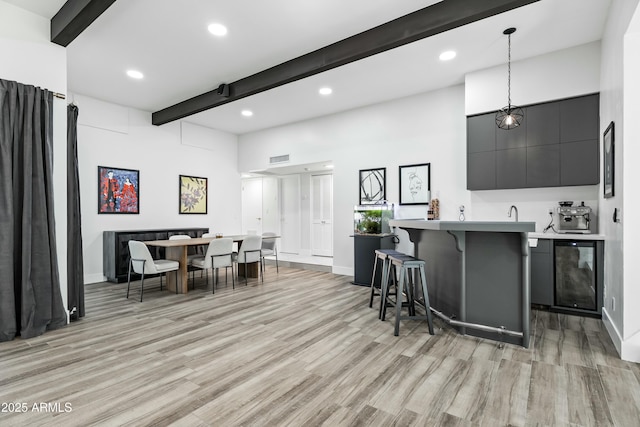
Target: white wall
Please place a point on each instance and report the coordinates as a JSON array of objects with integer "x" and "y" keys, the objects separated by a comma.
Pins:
[
  {"x": 28, "y": 57},
  {"x": 562, "y": 74},
  {"x": 631, "y": 126},
  {"x": 619, "y": 103},
  {"x": 116, "y": 136}
]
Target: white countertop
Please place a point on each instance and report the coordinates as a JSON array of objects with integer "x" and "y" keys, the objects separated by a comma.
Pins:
[
  {"x": 566, "y": 236},
  {"x": 488, "y": 226}
]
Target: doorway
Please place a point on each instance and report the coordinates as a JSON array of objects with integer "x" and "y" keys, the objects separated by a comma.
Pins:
[{"x": 322, "y": 215}]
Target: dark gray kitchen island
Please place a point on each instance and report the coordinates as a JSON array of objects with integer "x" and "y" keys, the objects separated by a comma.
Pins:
[{"x": 477, "y": 273}]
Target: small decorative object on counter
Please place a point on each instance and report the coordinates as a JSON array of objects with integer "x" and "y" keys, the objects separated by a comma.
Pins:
[
  {"x": 435, "y": 207},
  {"x": 430, "y": 215},
  {"x": 461, "y": 217}
]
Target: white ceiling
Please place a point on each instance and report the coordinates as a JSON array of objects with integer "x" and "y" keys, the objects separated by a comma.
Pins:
[{"x": 168, "y": 41}]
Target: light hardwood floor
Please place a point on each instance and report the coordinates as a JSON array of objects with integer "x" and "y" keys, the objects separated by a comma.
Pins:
[{"x": 304, "y": 349}]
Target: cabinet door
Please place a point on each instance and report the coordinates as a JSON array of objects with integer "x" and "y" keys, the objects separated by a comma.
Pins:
[
  {"x": 579, "y": 163},
  {"x": 542, "y": 274},
  {"x": 512, "y": 138},
  {"x": 481, "y": 171},
  {"x": 579, "y": 118},
  {"x": 481, "y": 133},
  {"x": 543, "y": 124},
  {"x": 511, "y": 168},
  {"x": 543, "y": 166}
]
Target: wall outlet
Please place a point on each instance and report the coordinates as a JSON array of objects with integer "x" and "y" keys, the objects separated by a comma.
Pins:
[{"x": 550, "y": 211}]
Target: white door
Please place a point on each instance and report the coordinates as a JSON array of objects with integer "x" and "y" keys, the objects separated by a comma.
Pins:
[
  {"x": 321, "y": 215},
  {"x": 252, "y": 205},
  {"x": 270, "y": 205},
  {"x": 290, "y": 219}
]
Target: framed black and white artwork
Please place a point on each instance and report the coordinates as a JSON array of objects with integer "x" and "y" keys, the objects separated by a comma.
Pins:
[
  {"x": 373, "y": 186},
  {"x": 415, "y": 184},
  {"x": 608, "y": 146}
]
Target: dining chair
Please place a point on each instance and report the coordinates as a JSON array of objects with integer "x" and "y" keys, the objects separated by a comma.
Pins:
[
  {"x": 142, "y": 263},
  {"x": 269, "y": 248},
  {"x": 219, "y": 254},
  {"x": 249, "y": 252}
]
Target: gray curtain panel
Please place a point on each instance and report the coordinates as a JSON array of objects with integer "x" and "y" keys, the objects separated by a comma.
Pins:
[
  {"x": 30, "y": 300},
  {"x": 75, "y": 270}
]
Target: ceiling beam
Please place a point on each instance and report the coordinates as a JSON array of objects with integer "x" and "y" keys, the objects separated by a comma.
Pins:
[
  {"x": 435, "y": 19},
  {"x": 74, "y": 17}
]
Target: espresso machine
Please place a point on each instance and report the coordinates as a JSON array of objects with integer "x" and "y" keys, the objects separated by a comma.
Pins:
[{"x": 574, "y": 219}]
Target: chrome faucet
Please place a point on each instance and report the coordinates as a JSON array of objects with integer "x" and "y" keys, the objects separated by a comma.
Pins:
[{"x": 513, "y": 208}]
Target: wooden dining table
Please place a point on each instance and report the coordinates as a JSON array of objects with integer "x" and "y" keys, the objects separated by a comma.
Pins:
[{"x": 177, "y": 250}]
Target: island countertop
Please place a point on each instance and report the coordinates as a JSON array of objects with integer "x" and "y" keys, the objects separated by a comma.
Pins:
[{"x": 489, "y": 226}]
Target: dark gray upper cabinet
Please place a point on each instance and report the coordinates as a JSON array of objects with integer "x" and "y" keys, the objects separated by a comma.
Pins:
[
  {"x": 543, "y": 124},
  {"x": 543, "y": 166},
  {"x": 579, "y": 163},
  {"x": 512, "y": 138},
  {"x": 481, "y": 171},
  {"x": 481, "y": 133},
  {"x": 579, "y": 118},
  {"x": 556, "y": 145},
  {"x": 511, "y": 170}
]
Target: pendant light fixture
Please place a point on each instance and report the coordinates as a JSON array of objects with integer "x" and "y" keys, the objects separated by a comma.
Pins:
[{"x": 510, "y": 116}]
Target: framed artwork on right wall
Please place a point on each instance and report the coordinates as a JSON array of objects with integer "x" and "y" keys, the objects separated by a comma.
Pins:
[{"x": 608, "y": 147}]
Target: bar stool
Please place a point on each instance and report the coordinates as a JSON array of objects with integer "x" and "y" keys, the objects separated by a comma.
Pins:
[
  {"x": 407, "y": 266},
  {"x": 380, "y": 255}
]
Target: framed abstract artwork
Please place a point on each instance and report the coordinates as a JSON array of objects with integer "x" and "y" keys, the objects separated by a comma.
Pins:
[
  {"x": 608, "y": 146},
  {"x": 193, "y": 195},
  {"x": 415, "y": 184},
  {"x": 373, "y": 186},
  {"x": 118, "y": 190}
]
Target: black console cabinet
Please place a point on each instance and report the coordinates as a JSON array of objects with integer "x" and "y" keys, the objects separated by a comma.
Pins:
[
  {"x": 115, "y": 244},
  {"x": 365, "y": 246}
]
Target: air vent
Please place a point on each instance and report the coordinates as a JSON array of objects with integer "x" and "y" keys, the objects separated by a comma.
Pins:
[{"x": 278, "y": 159}]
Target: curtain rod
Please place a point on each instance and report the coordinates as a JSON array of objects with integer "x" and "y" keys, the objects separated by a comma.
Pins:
[{"x": 59, "y": 95}]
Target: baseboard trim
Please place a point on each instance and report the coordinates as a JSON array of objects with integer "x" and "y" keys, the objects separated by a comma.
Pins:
[
  {"x": 615, "y": 336},
  {"x": 344, "y": 271},
  {"x": 94, "y": 278}
]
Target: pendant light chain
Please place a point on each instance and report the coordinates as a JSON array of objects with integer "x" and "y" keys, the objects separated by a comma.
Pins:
[
  {"x": 510, "y": 116},
  {"x": 509, "y": 72}
]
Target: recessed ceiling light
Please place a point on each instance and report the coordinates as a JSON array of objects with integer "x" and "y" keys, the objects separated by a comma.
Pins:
[
  {"x": 134, "y": 74},
  {"x": 325, "y": 91},
  {"x": 447, "y": 55},
  {"x": 247, "y": 113},
  {"x": 217, "y": 29}
]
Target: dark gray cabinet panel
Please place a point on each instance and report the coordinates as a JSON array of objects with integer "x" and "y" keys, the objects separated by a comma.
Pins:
[
  {"x": 543, "y": 124},
  {"x": 579, "y": 118},
  {"x": 481, "y": 133},
  {"x": 512, "y": 138},
  {"x": 543, "y": 166},
  {"x": 542, "y": 273},
  {"x": 579, "y": 163},
  {"x": 481, "y": 171},
  {"x": 560, "y": 143},
  {"x": 511, "y": 168}
]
